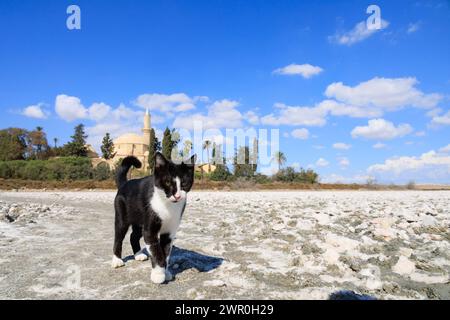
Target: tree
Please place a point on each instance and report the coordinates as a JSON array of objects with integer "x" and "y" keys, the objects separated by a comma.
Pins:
[
  {"x": 280, "y": 159},
  {"x": 55, "y": 140},
  {"x": 170, "y": 142},
  {"x": 152, "y": 150},
  {"x": 13, "y": 144},
  {"x": 207, "y": 145},
  {"x": 77, "y": 147},
  {"x": 37, "y": 144},
  {"x": 187, "y": 147},
  {"x": 107, "y": 147},
  {"x": 167, "y": 144},
  {"x": 242, "y": 165}
]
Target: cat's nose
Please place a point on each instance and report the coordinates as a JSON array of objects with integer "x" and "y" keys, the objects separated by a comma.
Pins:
[{"x": 177, "y": 196}]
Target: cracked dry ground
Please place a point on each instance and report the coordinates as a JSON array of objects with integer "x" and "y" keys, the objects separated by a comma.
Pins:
[{"x": 246, "y": 245}]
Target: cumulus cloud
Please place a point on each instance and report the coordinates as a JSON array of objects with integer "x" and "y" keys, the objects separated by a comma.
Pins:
[
  {"x": 177, "y": 102},
  {"x": 98, "y": 111},
  {"x": 296, "y": 115},
  {"x": 428, "y": 167},
  {"x": 445, "y": 149},
  {"x": 301, "y": 134},
  {"x": 381, "y": 129},
  {"x": 379, "y": 145},
  {"x": 35, "y": 111},
  {"x": 383, "y": 94},
  {"x": 304, "y": 70},
  {"x": 252, "y": 117},
  {"x": 341, "y": 146},
  {"x": 369, "y": 99},
  {"x": 70, "y": 108},
  {"x": 322, "y": 162},
  {"x": 359, "y": 33},
  {"x": 443, "y": 120},
  {"x": 221, "y": 114}
]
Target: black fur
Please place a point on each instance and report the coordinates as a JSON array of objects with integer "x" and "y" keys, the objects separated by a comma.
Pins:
[
  {"x": 121, "y": 175},
  {"x": 132, "y": 205}
]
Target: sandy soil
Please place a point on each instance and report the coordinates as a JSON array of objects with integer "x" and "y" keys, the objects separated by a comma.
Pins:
[{"x": 258, "y": 245}]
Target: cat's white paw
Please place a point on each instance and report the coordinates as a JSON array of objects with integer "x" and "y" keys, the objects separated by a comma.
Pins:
[
  {"x": 140, "y": 257},
  {"x": 158, "y": 275},
  {"x": 169, "y": 275},
  {"x": 117, "y": 262}
]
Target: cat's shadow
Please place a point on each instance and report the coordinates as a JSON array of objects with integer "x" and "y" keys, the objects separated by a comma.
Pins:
[{"x": 183, "y": 259}]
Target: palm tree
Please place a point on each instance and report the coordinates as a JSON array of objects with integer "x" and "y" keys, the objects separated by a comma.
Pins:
[
  {"x": 56, "y": 141},
  {"x": 187, "y": 147},
  {"x": 207, "y": 145},
  {"x": 280, "y": 158}
]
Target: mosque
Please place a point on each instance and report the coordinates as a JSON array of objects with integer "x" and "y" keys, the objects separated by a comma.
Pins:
[{"x": 131, "y": 144}]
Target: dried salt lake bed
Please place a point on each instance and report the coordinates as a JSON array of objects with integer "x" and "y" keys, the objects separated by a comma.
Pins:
[{"x": 234, "y": 245}]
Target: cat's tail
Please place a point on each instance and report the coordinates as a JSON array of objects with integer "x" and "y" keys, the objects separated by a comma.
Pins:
[{"x": 121, "y": 175}]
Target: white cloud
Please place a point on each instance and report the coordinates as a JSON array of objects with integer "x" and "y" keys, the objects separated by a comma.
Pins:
[
  {"x": 379, "y": 145},
  {"x": 341, "y": 109},
  {"x": 35, "y": 111},
  {"x": 383, "y": 94},
  {"x": 357, "y": 34},
  {"x": 382, "y": 130},
  {"x": 296, "y": 116},
  {"x": 421, "y": 134},
  {"x": 177, "y": 102},
  {"x": 98, "y": 111},
  {"x": 341, "y": 146},
  {"x": 369, "y": 99},
  {"x": 117, "y": 121},
  {"x": 428, "y": 167},
  {"x": 445, "y": 149},
  {"x": 343, "y": 162},
  {"x": 301, "y": 134},
  {"x": 70, "y": 108},
  {"x": 305, "y": 70},
  {"x": 443, "y": 120},
  {"x": 252, "y": 117},
  {"x": 221, "y": 114},
  {"x": 322, "y": 162},
  {"x": 413, "y": 27},
  {"x": 434, "y": 112}
]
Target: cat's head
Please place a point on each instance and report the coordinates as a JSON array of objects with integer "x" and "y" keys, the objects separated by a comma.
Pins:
[{"x": 175, "y": 180}]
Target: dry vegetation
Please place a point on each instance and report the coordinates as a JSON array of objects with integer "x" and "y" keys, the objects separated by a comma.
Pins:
[{"x": 16, "y": 184}]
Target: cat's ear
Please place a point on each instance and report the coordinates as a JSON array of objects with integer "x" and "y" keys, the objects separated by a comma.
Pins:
[
  {"x": 193, "y": 159},
  {"x": 160, "y": 161}
]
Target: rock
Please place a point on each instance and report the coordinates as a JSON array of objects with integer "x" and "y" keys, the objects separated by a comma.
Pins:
[
  {"x": 404, "y": 266},
  {"x": 429, "y": 221},
  {"x": 214, "y": 283},
  {"x": 405, "y": 252}
]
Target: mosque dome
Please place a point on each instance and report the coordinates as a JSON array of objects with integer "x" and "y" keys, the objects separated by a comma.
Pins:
[{"x": 130, "y": 138}]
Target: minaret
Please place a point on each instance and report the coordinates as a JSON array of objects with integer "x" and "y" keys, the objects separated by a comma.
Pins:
[{"x": 147, "y": 127}]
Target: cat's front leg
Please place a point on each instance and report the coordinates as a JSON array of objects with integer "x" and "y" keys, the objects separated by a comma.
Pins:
[
  {"x": 166, "y": 245},
  {"x": 158, "y": 274}
]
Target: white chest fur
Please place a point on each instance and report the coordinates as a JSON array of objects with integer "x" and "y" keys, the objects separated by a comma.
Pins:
[{"x": 168, "y": 211}]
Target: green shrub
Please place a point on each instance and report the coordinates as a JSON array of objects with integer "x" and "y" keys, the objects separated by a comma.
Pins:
[
  {"x": 220, "y": 174},
  {"x": 69, "y": 168},
  {"x": 5, "y": 170},
  {"x": 102, "y": 172}
]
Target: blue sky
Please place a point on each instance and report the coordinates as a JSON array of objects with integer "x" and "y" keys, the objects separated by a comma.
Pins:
[{"x": 311, "y": 69}]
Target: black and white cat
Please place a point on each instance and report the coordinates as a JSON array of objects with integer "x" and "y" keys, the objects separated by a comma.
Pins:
[{"x": 153, "y": 206}]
